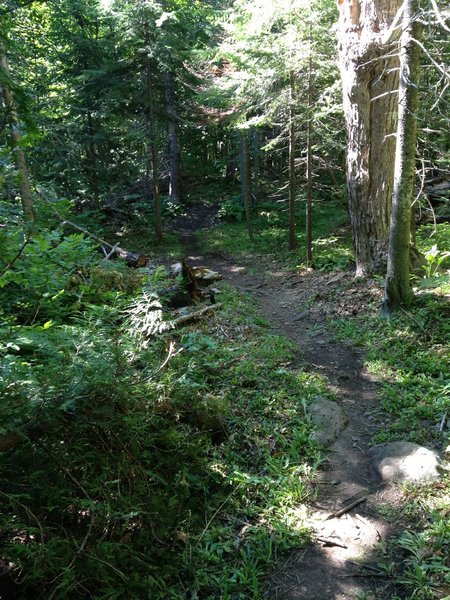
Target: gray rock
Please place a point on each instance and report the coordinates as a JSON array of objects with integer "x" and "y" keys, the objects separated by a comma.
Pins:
[
  {"x": 329, "y": 418},
  {"x": 403, "y": 462},
  {"x": 301, "y": 316}
]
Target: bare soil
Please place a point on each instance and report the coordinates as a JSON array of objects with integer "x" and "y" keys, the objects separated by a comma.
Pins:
[{"x": 341, "y": 563}]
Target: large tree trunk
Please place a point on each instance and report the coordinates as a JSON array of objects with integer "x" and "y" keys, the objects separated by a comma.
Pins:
[
  {"x": 398, "y": 287},
  {"x": 19, "y": 156},
  {"x": 176, "y": 190},
  {"x": 369, "y": 68}
]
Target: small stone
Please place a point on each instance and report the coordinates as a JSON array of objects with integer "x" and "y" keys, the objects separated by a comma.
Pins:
[
  {"x": 403, "y": 462},
  {"x": 301, "y": 316},
  {"x": 330, "y": 419}
]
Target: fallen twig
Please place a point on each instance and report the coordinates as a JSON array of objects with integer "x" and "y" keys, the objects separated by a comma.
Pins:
[
  {"x": 291, "y": 588},
  {"x": 363, "y": 575},
  {"x": 366, "y": 566},
  {"x": 328, "y": 542},
  {"x": 342, "y": 511},
  {"x": 443, "y": 421}
]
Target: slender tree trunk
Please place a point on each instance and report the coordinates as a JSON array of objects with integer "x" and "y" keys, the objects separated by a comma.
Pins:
[
  {"x": 256, "y": 163},
  {"x": 231, "y": 159},
  {"x": 292, "y": 239},
  {"x": 398, "y": 287},
  {"x": 245, "y": 182},
  {"x": 309, "y": 252},
  {"x": 176, "y": 190},
  {"x": 369, "y": 69},
  {"x": 154, "y": 154},
  {"x": 19, "y": 156},
  {"x": 92, "y": 158}
]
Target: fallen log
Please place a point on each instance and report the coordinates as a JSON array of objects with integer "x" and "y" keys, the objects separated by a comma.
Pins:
[
  {"x": 133, "y": 259},
  {"x": 195, "y": 315}
]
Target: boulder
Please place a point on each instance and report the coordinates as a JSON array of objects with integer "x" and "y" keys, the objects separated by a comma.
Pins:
[
  {"x": 329, "y": 418},
  {"x": 403, "y": 462}
]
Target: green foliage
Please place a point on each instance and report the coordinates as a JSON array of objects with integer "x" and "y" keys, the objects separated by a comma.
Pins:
[
  {"x": 129, "y": 478},
  {"x": 332, "y": 246},
  {"x": 409, "y": 355},
  {"x": 232, "y": 210},
  {"x": 56, "y": 275},
  {"x": 434, "y": 260},
  {"x": 426, "y": 572}
]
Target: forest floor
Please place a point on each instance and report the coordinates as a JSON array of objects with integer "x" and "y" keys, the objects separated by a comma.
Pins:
[{"x": 341, "y": 563}]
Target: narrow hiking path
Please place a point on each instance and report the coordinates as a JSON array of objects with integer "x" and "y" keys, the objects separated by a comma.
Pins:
[{"x": 341, "y": 563}]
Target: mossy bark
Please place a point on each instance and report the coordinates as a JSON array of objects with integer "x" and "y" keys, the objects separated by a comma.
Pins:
[
  {"x": 18, "y": 153},
  {"x": 398, "y": 287}
]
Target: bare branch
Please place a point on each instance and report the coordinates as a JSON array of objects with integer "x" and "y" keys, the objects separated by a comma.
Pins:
[{"x": 439, "y": 16}]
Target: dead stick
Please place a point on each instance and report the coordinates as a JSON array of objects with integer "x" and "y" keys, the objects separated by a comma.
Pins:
[
  {"x": 291, "y": 588},
  {"x": 89, "y": 234},
  {"x": 366, "y": 566},
  {"x": 342, "y": 511},
  {"x": 101, "y": 241},
  {"x": 330, "y": 543},
  {"x": 113, "y": 250},
  {"x": 442, "y": 425},
  {"x": 194, "y": 315},
  {"x": 363, "y": 575}
]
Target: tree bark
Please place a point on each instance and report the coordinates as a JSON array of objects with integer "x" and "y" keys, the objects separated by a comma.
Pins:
[
  {"x": 245, "y": 182},
  {"x": 256, "y": 163},
  {"x": 369, "y": 69},
  {"x": 92, "y": 157},
  {"x": 309, "y": 253},
  {"x": 398, "y": 287},
  {"x": 176, "y": 190},
  {"x": 154, "y": 154},
  {"x": 19, "y": 156},
  {"x": 292, "y": 239}
]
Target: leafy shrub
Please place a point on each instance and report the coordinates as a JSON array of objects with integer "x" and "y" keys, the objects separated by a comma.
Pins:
[{"x": 232, "y": 210}]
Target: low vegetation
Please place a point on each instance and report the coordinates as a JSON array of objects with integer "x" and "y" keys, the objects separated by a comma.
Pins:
[
  {"x": 163, "y": 467},
  {"x": 331, "y": 245}
]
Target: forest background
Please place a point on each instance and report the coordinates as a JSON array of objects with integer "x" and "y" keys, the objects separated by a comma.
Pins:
[{"x": 116, "y": 117}]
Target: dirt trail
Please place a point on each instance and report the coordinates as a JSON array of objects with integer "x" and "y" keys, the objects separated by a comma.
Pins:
[{"x": 330, "y": 568}]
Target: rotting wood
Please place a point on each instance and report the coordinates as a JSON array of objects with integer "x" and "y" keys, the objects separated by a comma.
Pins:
[
  {"x": 192, "y": 286},
  {"x": 346, "y": 509},
  {"x": 195, "y": 315},
  {"x": 133, "y": 259}
]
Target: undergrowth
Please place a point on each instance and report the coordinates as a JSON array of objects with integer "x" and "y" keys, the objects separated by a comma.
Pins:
[
  {"x": 175, "y": 468},
  {"x": 409, "y": 355},
  {"x": 331, "y": 245}
]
